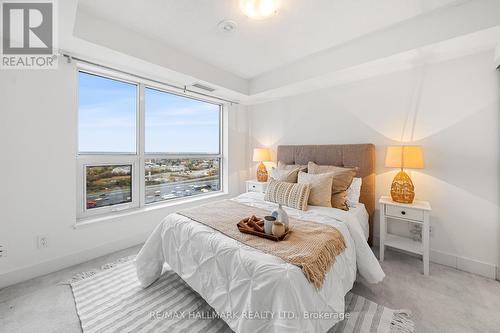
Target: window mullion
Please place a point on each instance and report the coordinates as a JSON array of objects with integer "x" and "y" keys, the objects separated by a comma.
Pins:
[{"x": 141, "y": 145}]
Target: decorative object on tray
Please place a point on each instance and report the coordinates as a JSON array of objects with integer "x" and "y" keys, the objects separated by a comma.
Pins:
[
  {"x": 253, "y": 223},
  {"x": 261, "y": 155},
  {"x": 257, "y": 226},
  {"x": 402, "y": 189},
  {"x": 281, "y": 215},
  {"x": 279, "y": 229},
  {"x": 268, "y": 224}
]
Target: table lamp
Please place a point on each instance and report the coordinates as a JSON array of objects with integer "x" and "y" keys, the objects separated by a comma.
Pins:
[
  {"x": 261, "y": 155},
  {"x": 411, "y": 157}
]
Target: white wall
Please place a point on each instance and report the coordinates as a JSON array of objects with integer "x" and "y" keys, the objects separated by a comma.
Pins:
[
  {"x": 497, "y": 55},
  {"x": 451, "y": 108},
  {"x": 38, "y": 177}
]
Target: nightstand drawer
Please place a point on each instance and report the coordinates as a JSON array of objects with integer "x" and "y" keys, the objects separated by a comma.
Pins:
[
  {"x": 254, "y": 188},
  {"x": 403, "y": 212}
]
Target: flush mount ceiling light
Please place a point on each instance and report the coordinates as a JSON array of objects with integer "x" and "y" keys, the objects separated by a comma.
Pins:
[
  {"x": 259, "y": 9},
  {"x": 227, "y": 25}
]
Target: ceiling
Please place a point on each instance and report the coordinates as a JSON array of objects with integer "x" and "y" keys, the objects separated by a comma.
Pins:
[{"x": 301, "y": 28}]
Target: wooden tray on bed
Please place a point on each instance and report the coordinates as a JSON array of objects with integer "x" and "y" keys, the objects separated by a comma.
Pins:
[{"x": 245, "y": 230}]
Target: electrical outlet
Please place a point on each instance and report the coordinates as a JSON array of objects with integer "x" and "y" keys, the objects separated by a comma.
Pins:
[
  {"x": 3, "y": 251},
  {"x": 42, "y": 242}
]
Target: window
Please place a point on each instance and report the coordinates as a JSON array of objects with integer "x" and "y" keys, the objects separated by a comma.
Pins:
[
  {"x": 174, "y": 178},
  {"x": 139, "y": 144},
  {"x": 108, "y": 185},
  {"x": 106, "y": 115},
  {"x": 176, "y": 124}
]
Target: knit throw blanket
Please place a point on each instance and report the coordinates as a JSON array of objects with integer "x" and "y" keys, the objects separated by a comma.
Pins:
[{"x": 311, "y": 246}]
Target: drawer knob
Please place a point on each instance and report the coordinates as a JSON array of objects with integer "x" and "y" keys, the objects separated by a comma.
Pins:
[{"x": 403, "y": 212}]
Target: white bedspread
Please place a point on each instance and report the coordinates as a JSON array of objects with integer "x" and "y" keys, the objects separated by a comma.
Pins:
[
  {"x": 254, "y": 291},
  {"x": 360, "y": 213}
]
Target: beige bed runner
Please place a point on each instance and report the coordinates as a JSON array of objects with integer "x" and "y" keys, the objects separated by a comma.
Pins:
[{"x": 311, "y": 246}]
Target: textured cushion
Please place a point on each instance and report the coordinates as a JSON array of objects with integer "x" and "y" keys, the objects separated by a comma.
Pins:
[
  {"x": 321, "y": 188},
  {"x": 288, "y": 194},
  {"x": 317, "y": 169},
  {"x": 284, "y": 166},
  {"x": 342, "y": 179},
  {"x": 341, "y": 182},
  {"x": 285, "y": 175},
  {"x": 354, "y": 192}
]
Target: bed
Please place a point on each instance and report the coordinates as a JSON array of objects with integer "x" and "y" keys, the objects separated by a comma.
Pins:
[{"x": 258, "y": 292}]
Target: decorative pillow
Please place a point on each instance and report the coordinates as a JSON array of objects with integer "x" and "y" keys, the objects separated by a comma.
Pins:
[
  {"x": 288, "y": 194},
  {"x": 354, "y": 192},
  {"x": 283, "y": 166},
  {"x": 284, "y": 175},
  {"x": 316, "y": 169},
  {"x": 342, "y": 179},
  {"x": 341, "y": 182},
  {"x": 321, "y": 188}
]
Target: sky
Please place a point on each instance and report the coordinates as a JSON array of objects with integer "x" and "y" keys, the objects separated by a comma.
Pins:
[{"x": 173, "y": 124}]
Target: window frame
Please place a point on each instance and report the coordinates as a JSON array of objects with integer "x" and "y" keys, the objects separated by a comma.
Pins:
[
  {"x": 82, "y": 186},
  {"x": 137, "y": 159}
]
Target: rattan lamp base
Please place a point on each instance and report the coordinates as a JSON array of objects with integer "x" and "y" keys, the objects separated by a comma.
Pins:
[
  {"x": 402, "y": 189},
  {"x": 262, "y": 175}
]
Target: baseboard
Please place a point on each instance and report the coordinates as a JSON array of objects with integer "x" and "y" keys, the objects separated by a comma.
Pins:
[
  {"x": 53, "y": 265},
  {"x": 461, "y": 263},
  {"x": 46, "y": 267},
  {"x": 465, "y": 264}
]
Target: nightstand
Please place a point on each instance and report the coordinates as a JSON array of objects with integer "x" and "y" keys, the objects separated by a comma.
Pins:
[
  {"x": 417, "y": 212},
  {"x": 256, "y": 186}
]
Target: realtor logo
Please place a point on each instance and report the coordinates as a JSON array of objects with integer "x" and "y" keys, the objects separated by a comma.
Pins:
[{"x": 28, "y": 35}]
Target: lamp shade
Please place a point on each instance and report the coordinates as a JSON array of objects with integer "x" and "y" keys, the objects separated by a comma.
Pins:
[
  {"x": 411, "y": 157},
  {"x": 261, "y": 154},
  {"x": 259, "y": 9}
]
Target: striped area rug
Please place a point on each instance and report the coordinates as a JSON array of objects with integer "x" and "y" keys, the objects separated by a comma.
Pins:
[{"x": 113, "y": 301}]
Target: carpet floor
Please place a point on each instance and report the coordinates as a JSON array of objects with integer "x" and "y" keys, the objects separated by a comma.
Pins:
[
  {"x": 447, "y": 301},
  {"x": 112, "y": 300}
]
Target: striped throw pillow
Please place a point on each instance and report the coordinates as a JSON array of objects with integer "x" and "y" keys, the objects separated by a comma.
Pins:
[{"x": 288, "y": 194}]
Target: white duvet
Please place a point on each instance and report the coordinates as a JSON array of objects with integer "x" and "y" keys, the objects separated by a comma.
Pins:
[{"x": 251, "y": 290}]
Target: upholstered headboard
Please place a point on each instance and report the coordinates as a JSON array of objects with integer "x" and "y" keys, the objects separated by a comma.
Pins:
[{"x": 361, "y": 156}]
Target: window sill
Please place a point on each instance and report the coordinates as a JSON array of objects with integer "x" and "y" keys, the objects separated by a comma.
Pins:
[{"x": 88, "y": 221}]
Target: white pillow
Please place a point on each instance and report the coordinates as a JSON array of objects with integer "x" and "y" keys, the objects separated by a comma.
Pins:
[{"x": 353, "y": 192}]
